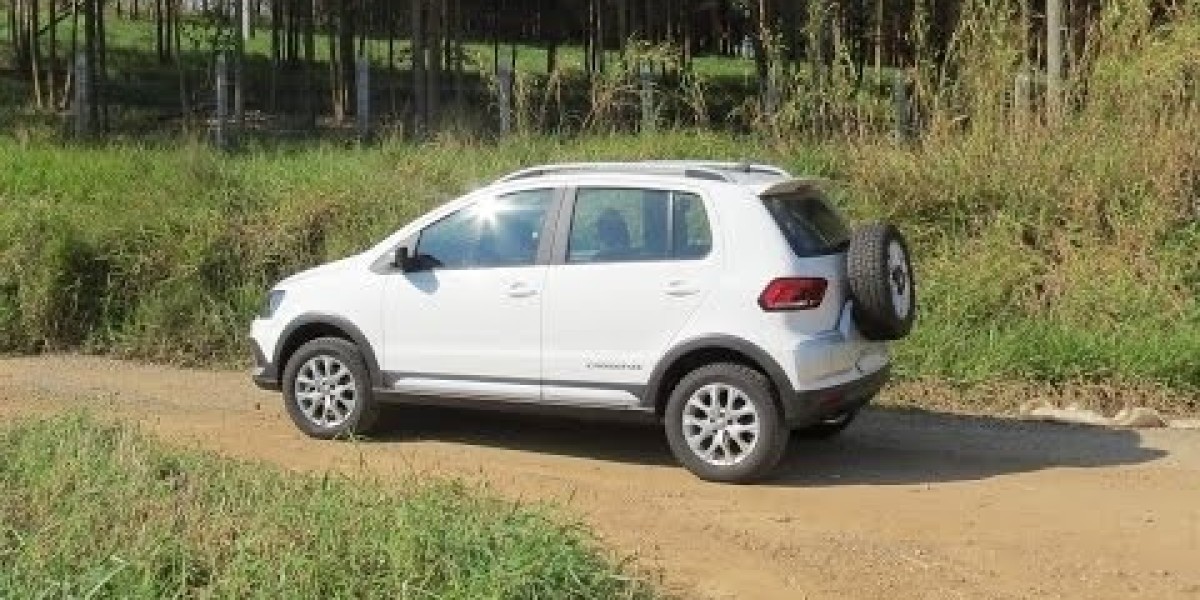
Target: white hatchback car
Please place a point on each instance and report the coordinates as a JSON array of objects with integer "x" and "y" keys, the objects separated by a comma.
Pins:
[{"x": 728, "y": 301}]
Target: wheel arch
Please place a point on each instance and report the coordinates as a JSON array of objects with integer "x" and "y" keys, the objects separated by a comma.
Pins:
[
  {"x": 310, "y": 326},
  {"x": 697, "y": 352}
]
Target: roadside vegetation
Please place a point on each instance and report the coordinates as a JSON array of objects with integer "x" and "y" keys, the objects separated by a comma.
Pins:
[
  {"x": 90, "y": 510},
  {"x": 1053, "y": 257},
  {"x": 1053, "y": 247}
]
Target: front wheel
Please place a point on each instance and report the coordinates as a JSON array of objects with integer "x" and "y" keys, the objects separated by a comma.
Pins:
[
  {"x": 327, "y": 390},
  {"x": 723, "y": 425}
]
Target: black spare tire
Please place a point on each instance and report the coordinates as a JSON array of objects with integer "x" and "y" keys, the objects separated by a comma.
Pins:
[{"x": 881, "y": 282}]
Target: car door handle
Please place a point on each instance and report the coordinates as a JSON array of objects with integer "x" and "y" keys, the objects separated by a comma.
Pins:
[
  {"x": 521, "y": 289},
  {"x": 680, "y": 287}
]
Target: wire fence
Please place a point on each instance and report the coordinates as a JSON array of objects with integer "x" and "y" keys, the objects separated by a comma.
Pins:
[{"x": 227, "y": 102}]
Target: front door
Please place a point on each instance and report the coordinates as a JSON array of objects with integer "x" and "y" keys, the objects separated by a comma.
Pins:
[{"x": 470, "y": 326}]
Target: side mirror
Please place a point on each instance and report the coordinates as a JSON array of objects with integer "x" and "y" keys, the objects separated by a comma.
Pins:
[
  {"x": 409, "y": 262},
  {"x": 401, "y": 260}
]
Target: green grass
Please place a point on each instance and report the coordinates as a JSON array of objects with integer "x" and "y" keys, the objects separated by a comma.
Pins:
[
  {"x": 1061, "y": 257},
  {"x": 97, "y": 511}
]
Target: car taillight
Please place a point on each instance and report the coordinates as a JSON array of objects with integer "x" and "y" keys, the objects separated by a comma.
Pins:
[{"x": 793, "y": 293}]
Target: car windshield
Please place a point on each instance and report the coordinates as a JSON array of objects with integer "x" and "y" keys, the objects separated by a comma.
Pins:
[{"x": 810, "y": 225}]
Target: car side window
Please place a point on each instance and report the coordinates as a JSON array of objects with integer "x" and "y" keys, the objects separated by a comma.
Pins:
[
  {"x": 630, "y": 224},
  {"x": 691, "y": 236},
  {"x": 495, "y": 232}
]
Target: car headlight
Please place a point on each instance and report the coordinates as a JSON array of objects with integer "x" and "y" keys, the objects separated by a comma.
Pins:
[{"x": 273, "y": 300}]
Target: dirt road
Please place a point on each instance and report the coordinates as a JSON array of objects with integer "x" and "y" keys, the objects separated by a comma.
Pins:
[{"x": 907, "y": 505}]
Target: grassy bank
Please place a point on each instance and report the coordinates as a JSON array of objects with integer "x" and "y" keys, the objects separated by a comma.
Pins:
[
  {"x": 90, "y": 510},
  {"x": 1052, "y": 257}
]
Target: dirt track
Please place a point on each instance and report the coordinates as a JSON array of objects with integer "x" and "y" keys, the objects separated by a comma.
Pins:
[{"x": 907, "y": 505}]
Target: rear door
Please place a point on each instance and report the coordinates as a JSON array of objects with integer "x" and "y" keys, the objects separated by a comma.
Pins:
[{"x": 631, "y": 266}]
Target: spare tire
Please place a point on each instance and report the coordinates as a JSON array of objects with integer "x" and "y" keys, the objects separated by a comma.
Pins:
[{"x": 881, "y": 282}]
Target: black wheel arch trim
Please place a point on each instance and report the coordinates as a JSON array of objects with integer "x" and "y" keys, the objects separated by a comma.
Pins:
[
  {"x": 779, "y": 379},
  {"x": 340, "y": 323}
]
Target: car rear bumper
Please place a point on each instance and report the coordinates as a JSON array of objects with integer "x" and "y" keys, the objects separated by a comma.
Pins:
[
  {"x": 804, "y": 407},
  {"x": 265, "y": 373}
]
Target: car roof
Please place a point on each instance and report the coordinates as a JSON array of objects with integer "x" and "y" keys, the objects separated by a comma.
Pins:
[{"x": 746, "y": 174}]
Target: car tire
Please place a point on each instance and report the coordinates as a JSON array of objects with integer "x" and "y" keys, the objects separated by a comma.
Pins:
[
  {"x": 327, "y": 390},
  {"x": 881, "y": 282},
  {"x": 734, "y": 432},
  {"x": 827, "y": 427}
]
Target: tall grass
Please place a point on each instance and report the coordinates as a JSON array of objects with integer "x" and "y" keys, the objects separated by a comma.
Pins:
[
  {"x": 1051, "y": 257},
  {"x": 97, "y": 511}
]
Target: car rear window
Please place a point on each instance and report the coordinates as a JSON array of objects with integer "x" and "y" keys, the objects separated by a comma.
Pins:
[{"x": 810, "y": 225}]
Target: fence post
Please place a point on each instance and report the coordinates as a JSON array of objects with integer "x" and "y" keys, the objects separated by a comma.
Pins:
[
  {"x": 362, "y": 112},
  {"x": 771, "y": 97},
  {"x": 504, "y": 81},
  {"x": 1054, "y": 60},
  {"x": 83, "y": 97},
  {"x": 901, "y": 108},
  {"x": 646, "y": 77},
  {"x": 1021, "y": 98},
  {"x": 222, "y": 79}
]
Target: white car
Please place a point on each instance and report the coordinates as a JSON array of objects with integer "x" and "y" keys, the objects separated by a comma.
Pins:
[{"x": 730, "y": 302}]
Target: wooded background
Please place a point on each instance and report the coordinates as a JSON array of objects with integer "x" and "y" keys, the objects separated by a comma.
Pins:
[{"x": 429, "y": 58}]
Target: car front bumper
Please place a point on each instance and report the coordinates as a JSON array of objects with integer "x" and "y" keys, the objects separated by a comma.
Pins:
[{"x": 265, "y": 373}]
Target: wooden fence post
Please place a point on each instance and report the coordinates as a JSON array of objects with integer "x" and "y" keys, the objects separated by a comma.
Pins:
[
  {"x": 504, "y": 82},
  {"x": 1054, "y": 61},
  {"x": 1021, "y": 98},
  {"x": 220, "y": 136},
  {"x": 649, "y": 116},
  {"x": 901, "y": 107}
]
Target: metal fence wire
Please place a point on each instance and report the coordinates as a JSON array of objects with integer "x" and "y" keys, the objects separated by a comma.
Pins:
[{"x": 225, "y": 100}]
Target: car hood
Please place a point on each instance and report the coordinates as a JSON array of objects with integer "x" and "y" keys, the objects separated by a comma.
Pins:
[{"x": 325, "y": 270}]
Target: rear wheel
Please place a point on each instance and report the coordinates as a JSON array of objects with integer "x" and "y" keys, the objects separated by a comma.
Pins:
[
  {"x": 723, "y": 425},
  {"x": 327, "y": 390}
]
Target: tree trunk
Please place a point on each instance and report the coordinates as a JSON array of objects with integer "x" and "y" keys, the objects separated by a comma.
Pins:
[
  {"x": 346, "y": 72},
  {"x": 159, "y": 34},
  {"x": 622, "y": 26},
  {"x": 68, "y": 80},
  {"x": 335, "y": 87},
  {"x": 552, "y": 26},
  {"x": 18, "y": 26},
  {"x": 176, "y": 35},
  {"x": 437, "y": 27},
  {"x": 53, "y": 65},
  {"x": 310, "y": 58},
  {"x": 460, "y": 83},
  {"x": 761, "y": 39},
  {"x": 90, "y": 57},
  {"x": 35, "y": 52},
  {"x": 101, "y": 71},
  {"x": 239, "y": 68},
  {"x": 418, "y": 67}
]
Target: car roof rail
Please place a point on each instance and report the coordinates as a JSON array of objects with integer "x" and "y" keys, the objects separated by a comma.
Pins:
[{"x": 707, "y": 170}]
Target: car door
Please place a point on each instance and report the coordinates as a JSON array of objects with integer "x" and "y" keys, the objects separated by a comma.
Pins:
[
  {"x": 470, "y": 325},
  {"x": 630, "y": 272}
]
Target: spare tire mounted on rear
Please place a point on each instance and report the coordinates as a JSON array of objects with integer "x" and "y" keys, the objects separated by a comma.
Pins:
[{"x": 881, "y": 282}]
